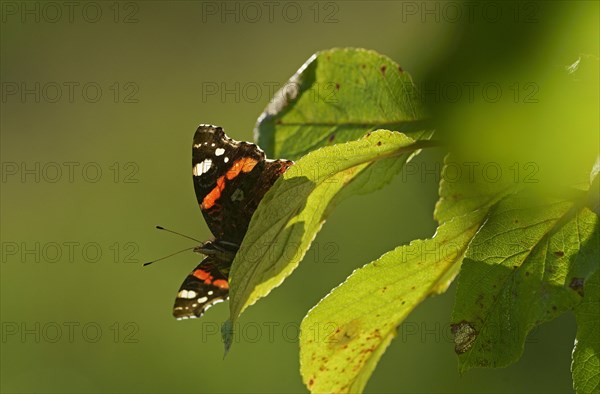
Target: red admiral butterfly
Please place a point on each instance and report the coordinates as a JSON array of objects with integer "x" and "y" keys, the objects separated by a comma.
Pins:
[{"x": 230, "y": 180}]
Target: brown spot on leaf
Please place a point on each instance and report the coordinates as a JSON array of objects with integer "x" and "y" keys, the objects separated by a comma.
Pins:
[
  {"x": 337, "y": 86},
  {"x": 559, "y": 253},
  {"x": 400, "y": 69},
  {"x": 331, "y": 137},
  {"x": 383, "y": 68},
  {"x": 384, "y": 289},
  {"x": 577, "y": 285},
  {"x": 311, "y": 382},
  {"x": 378, "y": 143},
  {"x": 479, "y": 300},
  {"x": 363, "y": 66}
]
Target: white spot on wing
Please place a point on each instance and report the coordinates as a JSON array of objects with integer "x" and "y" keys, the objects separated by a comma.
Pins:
[
  {"x": 226, "y": 159},
  {"x": 202, "y": 299},
  {"x": 219, "y": 151},
  {"x": 202, "y": 167},
  {"x": 187, "y": 294}
]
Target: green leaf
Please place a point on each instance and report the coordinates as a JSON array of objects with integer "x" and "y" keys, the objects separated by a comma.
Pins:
[
  {"x": 343, "y": 337},
  {"x": 339, "y": 95},
  {"x": 520, "y": 270},
  {"x": 594, "y": 195},
  {"x": 466, "y": 185},
  {"x": 586, "y": 355},
  {"x": 409, "y": 274},
  {"x": 292, "y": 212}
]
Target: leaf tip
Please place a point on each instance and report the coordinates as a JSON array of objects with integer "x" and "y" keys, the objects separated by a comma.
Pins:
[{"x": 227, "y": 336}]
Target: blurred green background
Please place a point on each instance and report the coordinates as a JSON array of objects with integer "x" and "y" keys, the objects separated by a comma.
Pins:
[{"x": 99, "y": 104}]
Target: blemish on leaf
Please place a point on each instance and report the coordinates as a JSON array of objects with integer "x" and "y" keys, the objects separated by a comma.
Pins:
[
  {"x": 577, "y": 285},
  {"x": 559, "y": 253},
  {"x": 383, "y": 68},
  {"x": 384, "y": 289},
  {"x": 363, "y": 66},
  {"x": 479, "y": 300},
  {"x": 526, "y": 273},
  {"x": 311, "y": 382},
  {"x": 331, "y": 137},
  {"x": 400, "y": 69},
  {"x": 464, "y": 336},
  {"x": 345, "y": 334},
  {"x": 378, "y": 143},
  {"x": 337, "y": 86}
]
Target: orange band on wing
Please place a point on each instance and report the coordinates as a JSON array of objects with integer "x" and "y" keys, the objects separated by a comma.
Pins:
[
  {"x": 202, "y": 275},
  {"x": 242, "y": 165},
  {"x": 222, "y": 283},
  {"x": 214, "y": 194},
  {"x": 245, "y": 164}
]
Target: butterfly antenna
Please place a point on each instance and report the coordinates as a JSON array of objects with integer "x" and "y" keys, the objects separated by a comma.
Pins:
[
  {"x": 175, "y": 232},
  {"x": 166, "y": 257}
]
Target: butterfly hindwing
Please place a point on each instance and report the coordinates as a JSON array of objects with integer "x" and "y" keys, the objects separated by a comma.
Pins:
[{"x": 205, "y": 286}]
